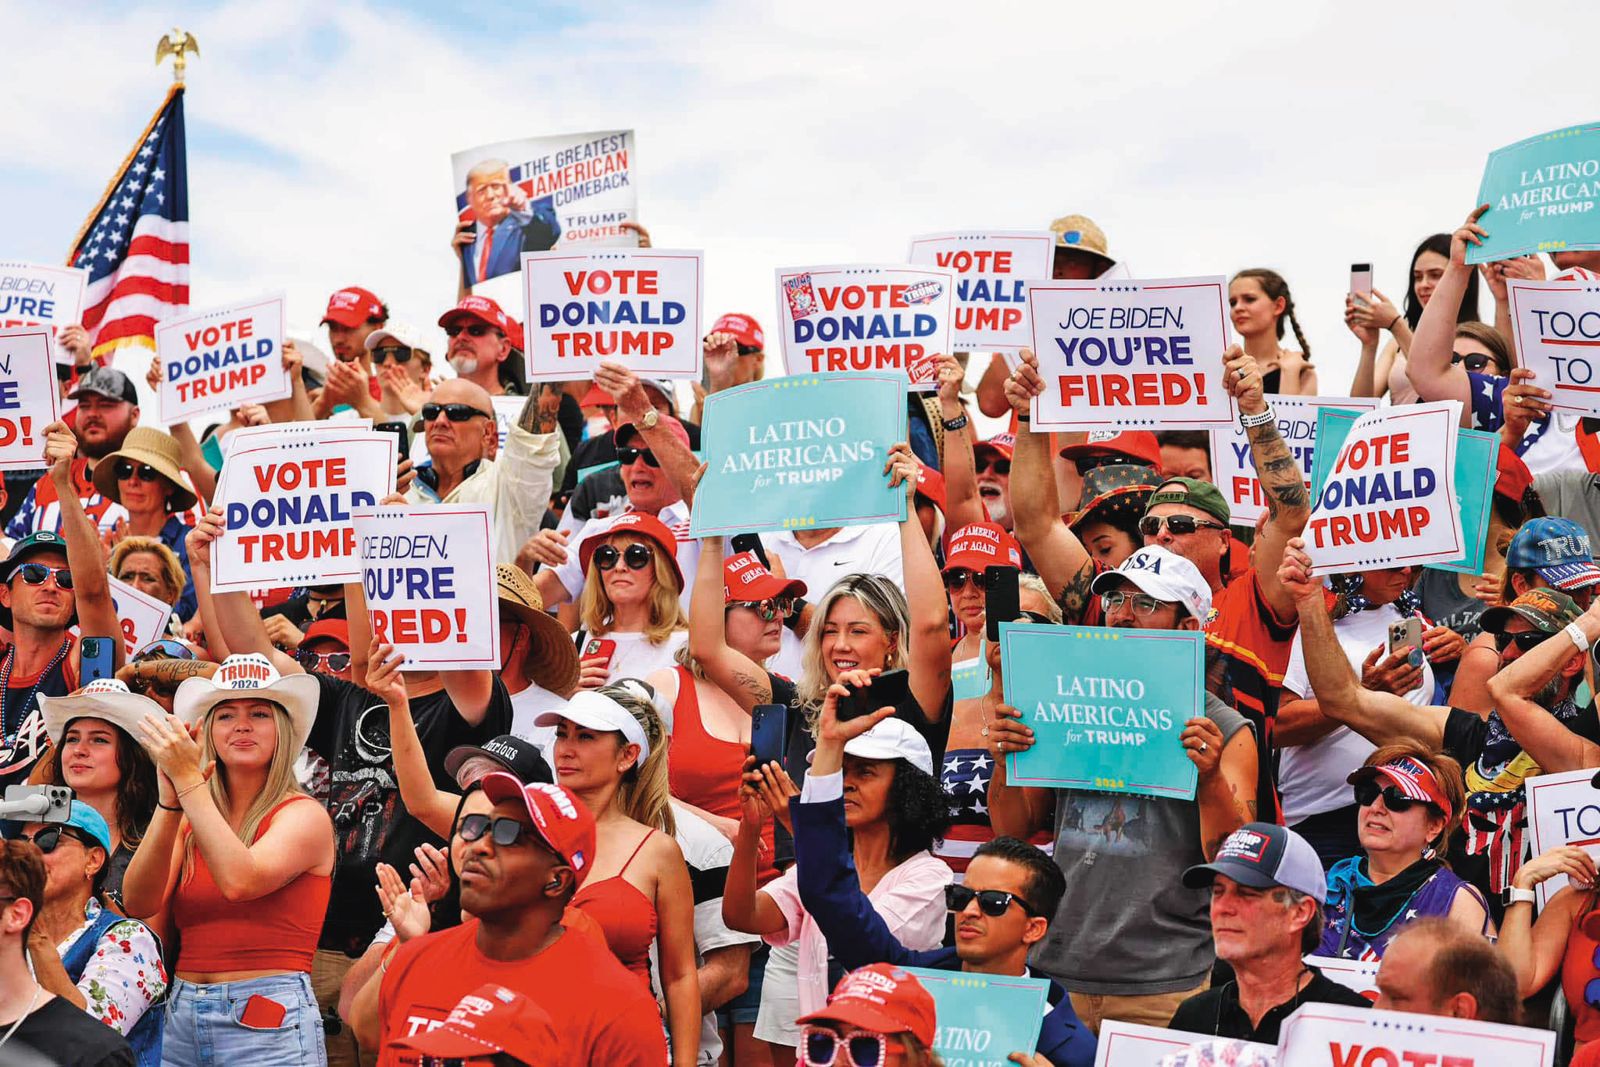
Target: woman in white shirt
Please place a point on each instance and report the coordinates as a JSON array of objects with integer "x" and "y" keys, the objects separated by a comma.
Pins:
[{"x": 632, "y": 621}]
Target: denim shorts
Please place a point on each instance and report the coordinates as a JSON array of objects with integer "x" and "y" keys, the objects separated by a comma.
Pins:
[
  {"x": 743, "y": 1008},
  {"x": 204, "y": 1029}
]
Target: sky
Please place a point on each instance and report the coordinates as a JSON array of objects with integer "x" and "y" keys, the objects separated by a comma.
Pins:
[{"x": 1203, "y": 138}]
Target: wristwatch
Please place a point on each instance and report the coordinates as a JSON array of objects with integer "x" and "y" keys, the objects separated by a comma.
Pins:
[
  {"x": 1512, "y": 895},
  {"x": 650, "y": 420}
]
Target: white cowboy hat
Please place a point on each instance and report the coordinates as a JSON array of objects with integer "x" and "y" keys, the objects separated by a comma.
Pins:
[
  {"x": 251, "y": 676},
  {"x": 105, "y": 698}
]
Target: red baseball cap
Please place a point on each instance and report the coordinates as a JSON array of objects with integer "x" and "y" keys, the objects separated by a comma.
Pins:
[
  {"x": 1411, "y": 777},
  {"x": 667, "y": 421},
  {"x": 353, "y": 306},
  {"x": 745, "y": 330},
  {"x": 489, "y": 1020},
  {"x": 328, "y": 630},
  {"x": 561, "y": 818},
  {"x": 744, "y": 578},
  {"x": 882, "y": 998},
  {"x": 1139, "y": 445},
  {"x": 930, "y": 484},
  {"x": 1003, "y": 443},
  {"x": 641, "y": 523},
  {"x": 486, "y": 311},
  {"x": 597, "y": 397},
  {"x": 979, "y": 545},
  {"x": 1513, "y": 478}
]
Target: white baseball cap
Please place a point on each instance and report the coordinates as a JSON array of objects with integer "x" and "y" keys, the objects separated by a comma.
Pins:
[
  {"x": 402, "y": 333},
  {"x": 891, "y": 739},
  {"x": 596, "y": 712},
  {"x": 1164, "y": 575}
]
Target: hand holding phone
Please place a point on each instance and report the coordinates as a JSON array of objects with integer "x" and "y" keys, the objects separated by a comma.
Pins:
[
  {"x": 95, "y": 662},
  {"x": 1407, "y": 633},
  {"x": 889, "y": 689},
  {"x": 1001, "y": 598},
  {"x": 1360, "y": 282},
  {"x": 769, "y": 733}
]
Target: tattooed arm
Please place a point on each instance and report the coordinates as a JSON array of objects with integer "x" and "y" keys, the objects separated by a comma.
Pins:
[
  {"x": 1282, "y": 480},
  {"x": 726, "y": 667},
  {"x": 163, "y": 674},
  {"x": 1228, "y": 799}
]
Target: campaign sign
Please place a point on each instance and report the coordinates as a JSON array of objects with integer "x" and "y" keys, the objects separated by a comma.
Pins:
[
  {"x": 222, "y": 358},
  {"x": 1563, "y": 809},
  {"x": 141, "y": 617},
  {"x": 984, "y": 1018},
  {"x": 539, "y": 193},
  {"x": 35, "y": 295},
  {"x": 1131, "y": 354},
  {"x": 969, "y": 679},
  {"x": 1341, "y": 1035},
  {"x": 1543, "y": 195},
  {"x": 507, "y": 409},
  {"x": 800, "y": 452},
  {"x": 1389, "y": 498},
  {"x": 1556, "y": 328},
  {"x": 866, "y": 319},
  {"x": 1476, "y": 455},
  {"x": 1358, "y": 976},
  {"x": 639, "y": 308},
  {"x": 1233, "y": 469},
  {"x": 992, "y": 269},
  {"x": 1135, "y": 1045},
  {"x": 30, "y": 399},
  {"x": 1106, "y": 706},
  {"x": 287, "y": 493},
  {"x": 424, "y": 570}
]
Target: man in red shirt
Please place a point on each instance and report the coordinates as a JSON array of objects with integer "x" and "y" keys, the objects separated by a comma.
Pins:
[{"x": 521, "y": 864}]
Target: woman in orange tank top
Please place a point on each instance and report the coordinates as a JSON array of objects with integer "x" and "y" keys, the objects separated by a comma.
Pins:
[
  {"x": 239, "y": 860},
  {"x": 611, "y": 750}
]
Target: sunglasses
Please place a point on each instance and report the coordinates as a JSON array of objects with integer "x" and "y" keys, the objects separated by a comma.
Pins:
[
  {"x": 165, "y": 648},
  {"x": 958, "y": 578},
  {"x": 1150, "y": 525},
  {"x": 998, "y": 464},
  {"x": 820, "y": 1047},
  {"x": 629, "y": 456},
  {"x": 504, "y": 831},
  {"x": 1367, "y": 794},
  {"x": 476, "y": 330},
  {"x": 48, "y": 838},
  {"x": 768, "y": 609},
  {"x": 383, "y": 353},
  {"x": 144, "y": 472},
  {"x": 336, "y": 661},
  {"x": 636, "y": 556},
  {"x": 992, "y": 902},
  {"x": 1525, "y": 642},
  {"x": 453, "y": 412},
  {"x": 1474, "y": 361},
  {"x": 36, "y": 573}
]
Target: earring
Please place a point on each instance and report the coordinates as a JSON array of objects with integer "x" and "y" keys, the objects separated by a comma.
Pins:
[{"x": 1428, "y": 852}]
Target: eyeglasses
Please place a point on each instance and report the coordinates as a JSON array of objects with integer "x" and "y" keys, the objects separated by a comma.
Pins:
[
  {"x": 504, "y": 831},
  {"x": 145, "y": 473},
  {"x": 1473, "y": 361},
  {"x": 475, "y": 330},
  {"x": 998, "y": 464},
  {"x": 958, "y": 578},
  {"x": 992, "y": 902},
  {"x": 1179, "y": 525},
  {"x": 48, "y": 838},
  {"x": 165, "y": 648},
  {"x": 1141, "y": 604},
  {"x": 768, "y": 609},
  {"x": 336, "y": 661},
  {"x": 1367, "y": 793},
  {"x": 628, "y": 456},
  {"x": 1526, "y": 641},
  {"x": 383, "y": 353},
  {"x": 453, "y": 412},
  {"x": 820, "y": 1047},
  {"x": 636, "y": 556},
  {"x": 36, "y": 573}
]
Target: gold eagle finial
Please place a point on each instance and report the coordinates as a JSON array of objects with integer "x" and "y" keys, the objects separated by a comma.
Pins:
[{"x": 177, "y": 44}]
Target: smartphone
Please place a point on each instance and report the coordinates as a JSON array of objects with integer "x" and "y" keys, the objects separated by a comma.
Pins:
[
  {"x": 263, "y": 1013},
  {"x": 1360, "y": 280},
  {"x": 401, "y": 434},
  {"x": 95, "y": 662},
  {"x": 1407, "y": 633},
  {"x": 769, "y": 732},
  {"x": 1001, "y": 601},
  {"x": 600, "y": 646},
  {"x": 749, "y": 542},
  {"x": 888, "y": 688}
]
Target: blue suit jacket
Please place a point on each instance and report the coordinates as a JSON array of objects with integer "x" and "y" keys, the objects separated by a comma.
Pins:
[
  {"x": 535, "y": 230},
  {"x": 857, "y": 934}
]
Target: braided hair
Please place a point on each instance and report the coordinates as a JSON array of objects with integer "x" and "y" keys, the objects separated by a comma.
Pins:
[{"x": 1275, "y": 287}]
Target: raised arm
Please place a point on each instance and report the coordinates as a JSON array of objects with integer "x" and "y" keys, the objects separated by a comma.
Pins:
[
  {"x": 1282, "y": 480},
  {"x": 929, "y": 638},
  {"x": 961, "y": 503},
  {"x": 725, "y": 666},
  {"x": 992, "y": 387},
  {"x": 633, "y": 405},
  {"x": 1428, "y": 364},
  {"x": 232, "y": 622},
  {"x": 435, "y": 808},
  {"x": 1225, "y": 791},
  {"x": 1554, "y": 747},
  {"x": 97, "y": 615},
  {"x": 528, "y": 469}
]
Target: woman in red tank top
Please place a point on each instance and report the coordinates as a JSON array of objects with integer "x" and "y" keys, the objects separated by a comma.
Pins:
[
  {"x": 239, "y": 863},
  {"x": 611, "y": 750}
]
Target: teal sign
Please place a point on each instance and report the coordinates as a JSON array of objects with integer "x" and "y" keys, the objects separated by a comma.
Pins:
[
  {"x": 984, "y": 1018},
  {"x": 1543, "y": 195},
  {"x": 1106, "y": 706},
  {"x": 969, "y": 679},
  {"x": 806, "y": 451}
]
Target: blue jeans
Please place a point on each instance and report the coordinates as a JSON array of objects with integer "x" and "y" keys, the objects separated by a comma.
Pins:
[{"x": 203, "y": 1027}]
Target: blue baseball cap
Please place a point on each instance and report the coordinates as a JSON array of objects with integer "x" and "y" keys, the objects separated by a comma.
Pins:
[
  {"x": 90, "y": 822},
  {"x": 1558, "y": 549},
  {"x": 1263, "y": 855}
]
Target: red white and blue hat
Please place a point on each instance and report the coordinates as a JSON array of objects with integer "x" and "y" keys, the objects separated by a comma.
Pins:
[
  {"x": 1558, "y": 549},
  {"x": 1413, "y": 778}
]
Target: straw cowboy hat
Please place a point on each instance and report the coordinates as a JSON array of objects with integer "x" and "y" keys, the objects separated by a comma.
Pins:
[
  {"x": 251, "y": 676},
  {"x": 553, "y": 659},
  {"x": 104, "y": 698},
  {"x": 155, "y": 449}
]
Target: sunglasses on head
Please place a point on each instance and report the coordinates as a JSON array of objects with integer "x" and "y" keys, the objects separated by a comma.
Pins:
[
  {"x": 992, "y": 902},
  {"x": 453, "y": 412},
  {"x": 36, "y": 573},
  {"x": 125, "y": 470},
  {"x": 1150, "y": 525},
  {"x": 998, "y": 464},
  {"x": 383, "y": 353},
  {"x": 1142, "y": 604},
  {"x": 636, "y": 556},
  {"x": 1367, "y": 793},
  {"x": 628, "y": 456},
  {"x": 821, "y": 1047},
  {"x": 48, "y": 838},
  {"x": 311, "y": 661},
  {"x": 475, "y": 330},
  {"x": 1526, "y": 641},
  {"x": 504, "y": 831},
  {"x": 1473, "y": 361},
  {"x": 166, "y": 648},
  {"x": 769, "y": 609}
]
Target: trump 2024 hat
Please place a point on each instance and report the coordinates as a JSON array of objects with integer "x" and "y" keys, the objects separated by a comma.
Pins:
[{"x": 1263, "y": 855}]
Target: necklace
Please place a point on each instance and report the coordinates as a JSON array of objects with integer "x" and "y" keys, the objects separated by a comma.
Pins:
[
  {"x": 37, "y": 989},
  {"x": 5, "y": 685}
]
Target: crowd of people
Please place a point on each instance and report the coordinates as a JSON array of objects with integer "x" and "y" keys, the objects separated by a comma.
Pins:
[{"x": 285, "y": 847}]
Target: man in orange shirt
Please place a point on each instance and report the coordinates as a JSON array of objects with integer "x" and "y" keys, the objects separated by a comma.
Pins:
[{"x": 521, "y": 864}]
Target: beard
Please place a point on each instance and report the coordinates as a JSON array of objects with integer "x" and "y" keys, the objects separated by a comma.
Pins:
[
  {"x": 465, "y": 366},
  {"x": 1547, "y": 696}
]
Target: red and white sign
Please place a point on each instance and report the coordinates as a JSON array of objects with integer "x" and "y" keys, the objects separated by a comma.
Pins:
[
  {"x": 1134, "y": 1045},
  {"x": 141, "y": 617},
  {"x": 30, "y": 398},
  {"x": 425, "y": 570},
  {"x": 1124, "y": 354},
  {"x": 992, "y": 269},
  {"x": 866, "y": 318},
  {"x": 1359, "y": 976},
  {"x": 222, "y": 358},
  {"x": 1556, "y": 328},
  {"x": 1234, "y": 471},
  {"x": 639, "y": 307},
  {"x": 1563, "y": 809},
  {"x": 1390, "y": 498},
  {"x": 35, "y": 295},
  {"x": 1340, "y": 1035}
]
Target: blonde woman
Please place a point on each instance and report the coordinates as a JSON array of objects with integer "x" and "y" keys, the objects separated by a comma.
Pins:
[
  {"x": 240, "y": 859},
  {"x": 611, "y": 751},
  {"x": 632, "y": 621}
]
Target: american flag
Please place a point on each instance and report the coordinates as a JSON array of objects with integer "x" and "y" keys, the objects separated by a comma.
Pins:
[{"x": 136, "y": 243}]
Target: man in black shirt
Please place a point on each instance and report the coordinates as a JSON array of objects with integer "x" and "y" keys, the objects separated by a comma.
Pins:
[{"x": 1267, "y": 891}]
